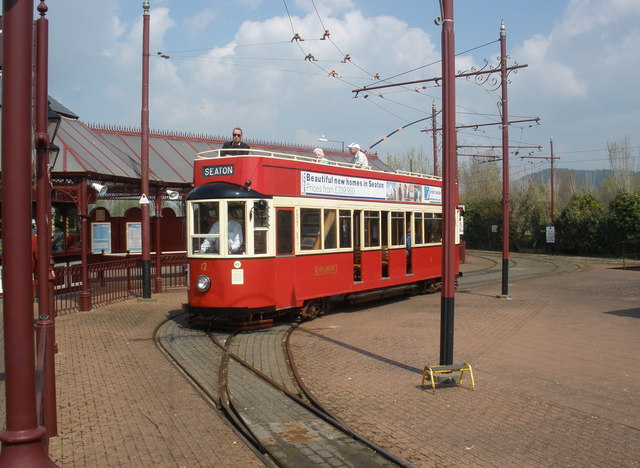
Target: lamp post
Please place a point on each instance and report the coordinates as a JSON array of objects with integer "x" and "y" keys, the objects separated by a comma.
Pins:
[
  {"x": 145, "y": 218},
  {"x": 22, "y": 440},
  {"x": 323, "y": 139}
]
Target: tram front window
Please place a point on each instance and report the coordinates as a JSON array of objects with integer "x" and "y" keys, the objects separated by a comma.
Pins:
[
  {"x": 208, "y": 237},
  {"x": 206, "y": 216}
]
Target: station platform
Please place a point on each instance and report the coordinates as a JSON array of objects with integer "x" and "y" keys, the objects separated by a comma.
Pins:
[{"x": 555, "y": 368}]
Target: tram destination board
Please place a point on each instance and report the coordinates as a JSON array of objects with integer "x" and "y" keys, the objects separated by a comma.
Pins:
[{"x": 219, "y": 170}]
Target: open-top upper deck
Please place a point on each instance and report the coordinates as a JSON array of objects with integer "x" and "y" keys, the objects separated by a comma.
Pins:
[{"x": 275, "y": 173}]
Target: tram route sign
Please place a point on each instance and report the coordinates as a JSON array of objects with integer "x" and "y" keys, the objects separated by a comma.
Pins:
[{"x": 217, "y": 171}]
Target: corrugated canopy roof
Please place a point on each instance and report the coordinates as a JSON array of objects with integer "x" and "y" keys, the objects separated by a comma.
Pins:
[{"x": 116, "y": 151}]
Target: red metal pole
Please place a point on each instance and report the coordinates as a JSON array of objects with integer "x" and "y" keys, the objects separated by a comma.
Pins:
[
  {"x": 450, "y": 184},
  {"x": 85, "y": 295},
  {"x": 22, "y": 440},
  {"x": 435, "y": 139},
  {"x": 553, "y": 216},
  {"x": 506, "y": 201},
  {"x": 144, "y": 158},
  {"x": 158, "y": 277},
  {"x": 43, "y": 216}
]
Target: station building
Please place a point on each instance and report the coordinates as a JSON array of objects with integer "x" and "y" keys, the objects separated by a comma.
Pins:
[{"x": 95, "y": 173}]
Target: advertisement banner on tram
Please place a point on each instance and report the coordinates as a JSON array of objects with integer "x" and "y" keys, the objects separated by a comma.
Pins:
[{"x": 329, "y": 185}]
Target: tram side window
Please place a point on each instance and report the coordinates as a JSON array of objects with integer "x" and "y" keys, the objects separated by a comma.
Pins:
[
  {"x": 310, "y": 229},
  {"x": 397, "y": 228},
  {"x": 345, "y": 229},
  {"x": 205, "y": 221},
  {"x": 329, "y": 229},
  {"x": 284, "y": 232},
  {"x": 372, "y": 229},
  {"x": 433, "y": 227},
  {"x": 260, "y": 227},
  {"x": 418, "y": 229}
]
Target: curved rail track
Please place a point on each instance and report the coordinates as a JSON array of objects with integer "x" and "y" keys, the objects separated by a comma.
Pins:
[
  {"x": 251, "y": 378},
  {"x": 521, "y": 266}
]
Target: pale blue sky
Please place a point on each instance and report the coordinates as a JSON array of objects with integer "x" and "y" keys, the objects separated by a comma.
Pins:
[{"x": 232, "y": 64}]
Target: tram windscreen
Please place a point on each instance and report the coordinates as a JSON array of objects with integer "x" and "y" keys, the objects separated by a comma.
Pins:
[{"x": 205, "y": 221}]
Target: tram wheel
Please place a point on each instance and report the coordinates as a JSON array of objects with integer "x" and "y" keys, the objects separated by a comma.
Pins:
[{"x": 312, "y": 308}]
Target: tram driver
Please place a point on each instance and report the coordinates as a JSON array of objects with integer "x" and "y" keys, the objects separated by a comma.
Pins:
[{"x": 235, "y": 237}]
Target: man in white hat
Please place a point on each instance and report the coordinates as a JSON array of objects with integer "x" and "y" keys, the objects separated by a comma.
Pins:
[{"x": 359, "y": 158}]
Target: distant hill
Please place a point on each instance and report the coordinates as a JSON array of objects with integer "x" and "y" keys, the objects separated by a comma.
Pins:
[{"x": 592, "y": 178}]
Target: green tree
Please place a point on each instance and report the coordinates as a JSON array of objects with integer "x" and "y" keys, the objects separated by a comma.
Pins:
[
  {"x": 412, "y": 160},
  {"x": 530, "y": 214},
  {"x": 481, "y": 193},
  {"x": 623, "y": 222},
  {"x": 480, "y": 215},
  {"x": 580, "y": 227}
]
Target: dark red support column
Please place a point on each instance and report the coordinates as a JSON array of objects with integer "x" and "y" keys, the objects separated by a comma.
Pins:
[
  {"x": 158, "y": 277},
  {"x": 144, "y": 159},
  {"x": 43, "y": 218},
  {"x": 450, "y": 185},
  {"x": 85, "y": 294},
  {"x": 22, "y": 440}
]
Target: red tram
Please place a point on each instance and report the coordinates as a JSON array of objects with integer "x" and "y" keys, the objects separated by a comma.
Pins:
[{"x": 272, "y": 233}]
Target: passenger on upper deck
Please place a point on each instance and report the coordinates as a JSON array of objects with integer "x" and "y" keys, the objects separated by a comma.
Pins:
[
  {"x": 359, "y": 158},
  {"x": 236, "y": 144},
  {"x": 319, "y": 154}
]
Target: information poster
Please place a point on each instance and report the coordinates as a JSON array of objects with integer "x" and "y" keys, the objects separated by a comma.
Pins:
[
  {"x": 134, "y": 237},
  {"x": 100, "y": 238},
  {"x": 551, "y": 234}
]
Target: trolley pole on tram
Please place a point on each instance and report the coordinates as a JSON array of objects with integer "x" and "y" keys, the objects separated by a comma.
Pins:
[
  {"x": 450, "y": 184},
  {"x": 145, "y": 219},
  {"x": 22, "y": 439}
]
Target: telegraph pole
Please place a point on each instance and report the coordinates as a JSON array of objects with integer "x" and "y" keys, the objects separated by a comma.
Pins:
[
  {"x": 506, "y": 201},
  {"x": 553, "y": 215}
]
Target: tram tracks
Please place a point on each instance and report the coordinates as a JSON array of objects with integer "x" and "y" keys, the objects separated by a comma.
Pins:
[
  {"x": 521, "y": 266},
  {"x": 249, "y": 377}
]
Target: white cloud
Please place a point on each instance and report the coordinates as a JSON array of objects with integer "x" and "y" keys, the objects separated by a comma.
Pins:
[{"x": 582, "y": 71}]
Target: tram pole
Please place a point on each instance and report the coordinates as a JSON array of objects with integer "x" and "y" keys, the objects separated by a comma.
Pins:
[
  {"x": 22, "y": 439},
  {"x": 145, "y": 218},
  {"x": 506, "y": 200},
  {"x": 450, "y": 184},
  {"x": 435, "y": 138}
]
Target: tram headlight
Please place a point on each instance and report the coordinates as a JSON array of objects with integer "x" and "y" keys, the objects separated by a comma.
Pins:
[{"x": 203, "y": 283}]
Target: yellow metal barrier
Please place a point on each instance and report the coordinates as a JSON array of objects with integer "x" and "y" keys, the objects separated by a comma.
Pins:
[{"x": 462, "y": 368}]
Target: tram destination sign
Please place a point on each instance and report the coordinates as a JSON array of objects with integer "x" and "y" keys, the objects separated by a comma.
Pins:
[
  {"x": 217, "y": 171},
  {"x": 330, "y": 185}
]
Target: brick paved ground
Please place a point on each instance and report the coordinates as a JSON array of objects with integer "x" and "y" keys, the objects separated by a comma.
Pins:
[
  {"x": 121, "y": 403},
  {"x": 557, "y": 369}
]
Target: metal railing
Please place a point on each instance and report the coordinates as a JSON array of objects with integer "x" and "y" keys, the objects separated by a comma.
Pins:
[
  {"x": 113, "y": 281},
  {"x": 630, "y": 252}
]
